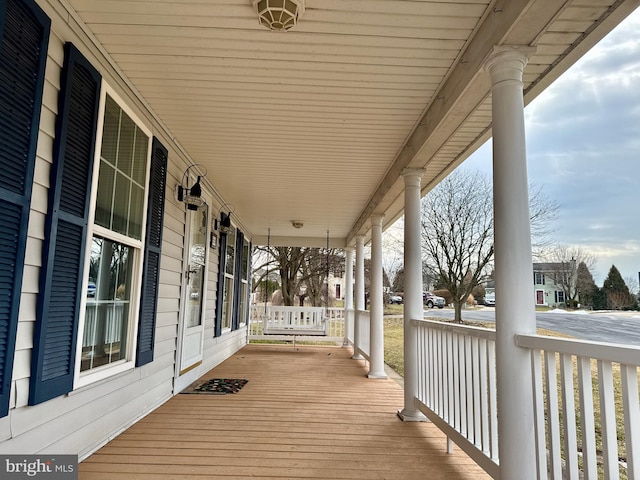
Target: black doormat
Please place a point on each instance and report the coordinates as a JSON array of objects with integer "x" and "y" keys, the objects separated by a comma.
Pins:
[{"x": 216, "y": 386}]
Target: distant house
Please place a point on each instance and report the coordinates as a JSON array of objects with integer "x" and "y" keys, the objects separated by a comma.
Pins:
[{"x": 547, "y": 285}]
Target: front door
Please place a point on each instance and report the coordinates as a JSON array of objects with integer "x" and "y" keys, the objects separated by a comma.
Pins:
[{"x": 195, "y": 262}]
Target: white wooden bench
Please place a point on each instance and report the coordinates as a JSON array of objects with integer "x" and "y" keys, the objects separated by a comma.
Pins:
[{"x": 294, "y": 321}]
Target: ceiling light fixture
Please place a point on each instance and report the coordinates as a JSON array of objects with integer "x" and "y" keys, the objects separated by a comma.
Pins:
[
  {"x": 297, "y": 223},
  {"x": 279, "y": 15}
]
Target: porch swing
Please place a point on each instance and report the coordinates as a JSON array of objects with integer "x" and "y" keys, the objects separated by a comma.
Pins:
[{"x": 296, "y": 321}]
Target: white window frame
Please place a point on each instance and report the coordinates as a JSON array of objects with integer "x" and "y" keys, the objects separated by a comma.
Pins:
[
  {"x": 230, "y": 276},
  {"x": 97, "y": 374},
  {"x": 243, "y": 303}
]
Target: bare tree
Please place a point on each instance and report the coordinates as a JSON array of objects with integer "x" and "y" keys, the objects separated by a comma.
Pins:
[
  {"x": 300, "y": 267},
  {"x": 632, "y": 283},
  {"x": 457, "y": 232},
  {"x": 563, "y": 261},
  {"x": 393, "y": 247}
]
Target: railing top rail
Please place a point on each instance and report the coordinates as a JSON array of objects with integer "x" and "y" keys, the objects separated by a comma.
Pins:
[
  {"x": 611, "y": 352},
  {"x": 479, "y": 332},
  {"x": 286, "y": 308}
]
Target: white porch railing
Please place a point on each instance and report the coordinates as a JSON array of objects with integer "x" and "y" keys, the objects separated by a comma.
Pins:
[
  {"x": 457, "y": 387},
  {"x": 303, "y": 323},
  {"x": 580, "y": 389}
]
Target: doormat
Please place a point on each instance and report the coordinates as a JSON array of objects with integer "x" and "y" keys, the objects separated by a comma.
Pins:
[{"x": 216, "y": 386}]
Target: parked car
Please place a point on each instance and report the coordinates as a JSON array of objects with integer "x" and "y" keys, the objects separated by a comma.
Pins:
[
  {"x": 91, "y": 289},
  {"x": 431, "y": 300},
  {"x": 490, "y": 300},
  {"x": 395, "y": 299}
]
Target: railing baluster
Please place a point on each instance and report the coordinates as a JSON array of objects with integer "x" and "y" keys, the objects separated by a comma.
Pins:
[
  {"x": 493, "y": 398},
  {"x": 587, "y": 423},
  {"x": 552, "y": 415},
  {"x": 432, "y": 382},
  {"x": 484, "y": 395},
  {"x": 631, "y": 408},
  {"x": 569, "y": 417},
  {"x": 477, "y": 412},
  {"x": 469, "y": 388},
  {"x": 455, "y": 366},
  {"x": 450, "y": 392},
  {"x": 608, "y": 421},
  {"x": 538, "y": 414}
]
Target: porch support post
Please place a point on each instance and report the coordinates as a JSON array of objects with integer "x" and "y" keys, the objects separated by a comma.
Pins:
[
  {"x": 515, "y": 310},
  {"x": 413, "y": 307},
  {"x": 376, "y": 354},
  {"x": 348, "y": 294},
  {"x": 359, "y": 300}
]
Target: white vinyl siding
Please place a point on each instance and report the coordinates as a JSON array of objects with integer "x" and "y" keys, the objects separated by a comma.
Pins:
[{"x": 86, "y": 418}]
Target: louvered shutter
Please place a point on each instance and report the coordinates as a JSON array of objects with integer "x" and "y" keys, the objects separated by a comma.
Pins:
[
  {"x": 152, "y": 253},
  {"x": 249, "y": 270},
  {"x": 58, "y": 309},
  {"x": 220, "y": 290},
  {"x": 24, "y": 37}
]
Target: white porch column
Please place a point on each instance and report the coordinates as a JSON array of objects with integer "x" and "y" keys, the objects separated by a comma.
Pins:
[
  {"x": 376, "y": 355},
  {"x": 413, "y": 307},
  {"x": 515, "y": 309},
  {"x": 359, "y": 297},
  {"x": 348, "y": 294}
]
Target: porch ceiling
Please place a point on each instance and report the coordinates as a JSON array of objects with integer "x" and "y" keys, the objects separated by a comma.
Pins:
[{"x": 317, "y": 124}]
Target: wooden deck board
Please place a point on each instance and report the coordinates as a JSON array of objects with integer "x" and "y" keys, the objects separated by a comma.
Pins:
[{"x": 305, "y": 413}]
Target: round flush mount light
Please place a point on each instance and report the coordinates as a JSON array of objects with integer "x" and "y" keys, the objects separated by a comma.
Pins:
[
  {"x": 297, "y": 223},
  {"x": 279, "y": 15}
]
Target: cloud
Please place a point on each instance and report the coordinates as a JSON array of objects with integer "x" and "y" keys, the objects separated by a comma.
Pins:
[{"x": 583, "y": 147}]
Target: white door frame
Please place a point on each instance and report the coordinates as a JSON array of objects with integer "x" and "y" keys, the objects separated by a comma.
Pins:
[{"x": 186, "y": 374}]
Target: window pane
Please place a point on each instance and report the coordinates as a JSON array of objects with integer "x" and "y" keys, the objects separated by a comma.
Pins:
[
  {"x": 227, "y": 306},
  {"x": 108, "y": 299},
  {"x": 126, "y": 144},
  {"x": 139, "y": 169},
  {"x": 125, "y": 147},
  {"x": 245, "y": 261},
  {"x": 243, "y": 302},
  {"x": 110, "y": 131},
  {"x": 105, "y": 195},
  {"x": 121, "y": 205},
  {"x": 230, "y": 254},
  {"x": 135, "y": 216}
]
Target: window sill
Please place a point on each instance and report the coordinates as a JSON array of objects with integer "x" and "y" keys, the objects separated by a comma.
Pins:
[{"x": 101, "y": 375}]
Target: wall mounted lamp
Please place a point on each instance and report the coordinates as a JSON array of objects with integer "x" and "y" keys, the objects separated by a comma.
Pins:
[{"x": 192, "y": 197}]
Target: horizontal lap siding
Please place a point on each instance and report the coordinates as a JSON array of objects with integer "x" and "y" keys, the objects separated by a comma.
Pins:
[
  {"x": 35, "y": 236},
  {"x": 86, "y": 418}
]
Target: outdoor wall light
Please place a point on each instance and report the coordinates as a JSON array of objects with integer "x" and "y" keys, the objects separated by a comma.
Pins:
[
  {"x": 192, "y": 197},
  {"x": 279, "y": 15},
  {"x": 224, "y": 225}
]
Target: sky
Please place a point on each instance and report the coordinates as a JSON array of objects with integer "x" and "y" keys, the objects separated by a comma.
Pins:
[{"x": 583, "y": 150}]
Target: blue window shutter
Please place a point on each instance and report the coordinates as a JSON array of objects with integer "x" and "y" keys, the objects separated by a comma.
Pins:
[
  {"x": 249, "y": 270},
  {"x": 152, "y": 254},
  {"x": 221, "y": 268},
  {"x": 58, "y": 308},
  {"x": 24, "y": 37}
]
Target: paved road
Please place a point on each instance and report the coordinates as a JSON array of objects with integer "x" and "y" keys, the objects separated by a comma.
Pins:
[{"x": 602, "y": 327}]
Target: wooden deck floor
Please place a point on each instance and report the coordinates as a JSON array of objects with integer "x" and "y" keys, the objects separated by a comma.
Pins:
[{"x": 305, "y": 413}]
